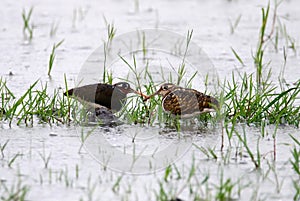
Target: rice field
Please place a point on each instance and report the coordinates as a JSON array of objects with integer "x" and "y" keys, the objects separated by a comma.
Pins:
[{"x": 245, "y": 54}]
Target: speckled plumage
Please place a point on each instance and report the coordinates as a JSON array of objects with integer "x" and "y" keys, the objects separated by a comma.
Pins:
[{"x": 185, "y": 102}]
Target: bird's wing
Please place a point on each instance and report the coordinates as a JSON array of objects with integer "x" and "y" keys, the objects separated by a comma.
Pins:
[
  {"x": 93, "y": 93},
  {"x": 206, "y": 101},
  {"x": 86, "y": 92},
  {"x": 187, "y": 102},
  {"x": 181, "y": 101}
]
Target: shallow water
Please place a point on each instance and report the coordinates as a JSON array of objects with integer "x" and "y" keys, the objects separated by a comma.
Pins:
[{"x": 72, "y": 172}]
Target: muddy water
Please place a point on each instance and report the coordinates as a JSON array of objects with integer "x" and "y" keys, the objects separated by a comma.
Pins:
[{"x": 72, "y": 173}]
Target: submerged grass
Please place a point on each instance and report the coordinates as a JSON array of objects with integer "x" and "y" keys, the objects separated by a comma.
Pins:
[
  {"x": 234, "y": 25},
  {"x": 27, "y": 25},
  {"x": 17, "y": 191},
  {"x": 255, "y": 160}
]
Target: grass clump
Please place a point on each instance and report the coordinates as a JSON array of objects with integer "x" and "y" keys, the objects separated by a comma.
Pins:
[
  {"x": 224, "y": 189},
  {"x": 17, "y": 191},
  {"x": 35, "y": 105},
  {"x": 245, "y": 102},
  {"x": 254, "y": 97}
]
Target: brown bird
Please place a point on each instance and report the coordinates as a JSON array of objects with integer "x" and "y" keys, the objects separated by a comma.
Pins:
[
  {"x": 110, "y": 96},
  {"x": 184, "y": 102}
]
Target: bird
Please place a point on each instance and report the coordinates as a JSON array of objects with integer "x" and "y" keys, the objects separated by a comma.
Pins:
[
  {"x": 111, "y": 96},
  {"x": 184, "y": 102}
]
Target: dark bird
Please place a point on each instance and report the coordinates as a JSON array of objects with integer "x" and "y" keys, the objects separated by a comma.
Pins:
[
  {"x": 110, "y": 96},
  {"x": 184, "y": 102}
]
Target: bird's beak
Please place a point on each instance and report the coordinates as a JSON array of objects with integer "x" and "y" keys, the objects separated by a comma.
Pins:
[
  {"x": 154, "y": 94},
  {"x": 137, "y": 92}
]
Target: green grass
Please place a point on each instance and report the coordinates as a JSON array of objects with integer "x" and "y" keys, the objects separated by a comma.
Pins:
[
  {"x": 2, "y": 148},
  {"x": 111, "y": 32},
  {"x": 241, "y": 99},
  {"x": 35, "y": 106},
  {"x": 182, "y": 68},
  {"x": 28, "y": 27},
  {"x": 296, "y": 186},
  {"x": 246, "y": 98},
  {"x": 249, "y": 98},
  {"x": 13, "y": 159},
  {"x": 224, "y": 189},
  {"x": 234, "y": 25},
  {"x": 17, "y": 191},
  {"x": 208, "y": 152},
  {"x": 53, "y": 29},
  {"x": 52, "y": 56},
  {"x": 151, "y": 112},
  {"x": 244, "y": 102},
  {"x": 295, "y": 161},
  {"x": 255, "y": 160},
  {"x": 45, "y": 158}
]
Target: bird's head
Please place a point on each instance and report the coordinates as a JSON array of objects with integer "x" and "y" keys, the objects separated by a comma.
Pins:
[
  {"x": 163, "y": 90},
  {"x": 125, "y": 88}
]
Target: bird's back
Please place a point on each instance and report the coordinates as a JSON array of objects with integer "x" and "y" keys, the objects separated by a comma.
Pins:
[
  {"x": 103, "y": 94},
  {"x": 187, "y": 102}
]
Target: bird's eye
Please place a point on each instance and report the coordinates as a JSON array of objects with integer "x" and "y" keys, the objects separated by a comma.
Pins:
[
  {"x": 165, "y": 87},
  {"x": 122, "y": 85},
  {"x": 125, "y": 86}
]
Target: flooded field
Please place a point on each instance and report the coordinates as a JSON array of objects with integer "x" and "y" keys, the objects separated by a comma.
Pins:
[{"x": 247, "y": 150}]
